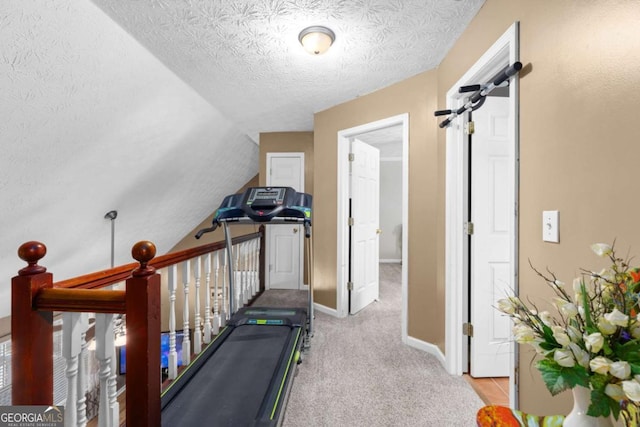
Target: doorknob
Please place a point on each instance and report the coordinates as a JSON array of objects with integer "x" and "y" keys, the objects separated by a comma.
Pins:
[
  {"x": 295, "y": 230},
  {"x": 378, "y": 231}
]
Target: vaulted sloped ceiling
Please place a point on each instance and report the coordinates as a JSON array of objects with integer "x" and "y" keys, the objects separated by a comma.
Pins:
[
  {"x": 90, "y": 121},
  {"x": 154, "y": 107}
]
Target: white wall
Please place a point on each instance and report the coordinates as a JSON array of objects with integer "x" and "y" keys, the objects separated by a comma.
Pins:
[
  {"x": 90, "y": 121},
  {"x": 391, "y": 209}
]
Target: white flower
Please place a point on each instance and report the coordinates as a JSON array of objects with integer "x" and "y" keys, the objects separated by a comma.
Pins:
[
  {"x": 635, "y": 331},
  {"x": 606, "y": 327},
  {"x": 574, "y": 333},
  {"x": 600, "y": 365},
  {"x": 620, "y": 369},
  {"x": 577, "y": 285},
  {"x": 615, "y": 392},
  {"x": 506, "y": 306},
  {"x": 582, "y": 357},
  {"x": 616, "y": 317},
  {"x": 560, "y": 336},
  {"x": 564, "y": 358},
  {"x": 594, "y": 342},
  {"x": 546, "y": 318},
  {"x": 523, "y": 334},
  {"x": 558, "y": 283},
  {"x": 601, "y": 249},
  {"x": 632, "y": 390},
  {"x": 569, "y": 309}
]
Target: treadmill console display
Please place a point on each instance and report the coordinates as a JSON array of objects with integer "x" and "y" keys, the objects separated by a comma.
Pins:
[
  {"x": 265, "y": 204},
  {"x": 266, "y": 198}
]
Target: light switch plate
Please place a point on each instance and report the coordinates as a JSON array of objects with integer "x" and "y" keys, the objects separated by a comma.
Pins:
[{"x": 551, "y": 226}]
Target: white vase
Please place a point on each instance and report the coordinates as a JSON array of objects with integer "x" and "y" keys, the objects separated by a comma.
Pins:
[{"x": 578, "y": 416}]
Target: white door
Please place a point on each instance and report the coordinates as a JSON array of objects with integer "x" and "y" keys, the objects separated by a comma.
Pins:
[
  {"x": 285, "y": 241},
  {"x": 492, "y": 216},
  {"x": 365, "y": 194}
]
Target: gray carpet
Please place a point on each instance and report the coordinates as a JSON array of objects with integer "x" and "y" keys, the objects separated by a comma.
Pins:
[{"x": 358, "y": 372}]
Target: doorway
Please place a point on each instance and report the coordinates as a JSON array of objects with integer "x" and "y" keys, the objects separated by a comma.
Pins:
[
  {"x": 344, "y": 144},
  {"x": 458, "y": 189}
]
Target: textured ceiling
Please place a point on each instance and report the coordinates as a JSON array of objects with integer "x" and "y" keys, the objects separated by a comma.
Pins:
[{"x": 244, "y": 58}]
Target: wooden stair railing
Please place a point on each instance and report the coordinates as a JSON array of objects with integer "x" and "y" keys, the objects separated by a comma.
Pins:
[{"x": 35, "y": 297}]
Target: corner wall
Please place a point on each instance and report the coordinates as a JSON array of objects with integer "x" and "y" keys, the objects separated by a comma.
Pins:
[{"x": 578, "y": 139}]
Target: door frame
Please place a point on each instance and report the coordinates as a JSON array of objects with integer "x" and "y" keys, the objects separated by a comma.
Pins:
[
  {"x": 270, "y": 155},
  {"x": 344, "y": 136},
  {"x": 503, "y": 52}
]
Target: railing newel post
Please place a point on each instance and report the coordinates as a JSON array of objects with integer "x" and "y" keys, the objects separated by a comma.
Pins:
[
  {"x": 143, "y": 339},
  {"x": 31, "y": 331}
]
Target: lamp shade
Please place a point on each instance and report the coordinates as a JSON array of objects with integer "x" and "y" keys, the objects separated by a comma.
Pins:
[{"x": 316, "y": 40}]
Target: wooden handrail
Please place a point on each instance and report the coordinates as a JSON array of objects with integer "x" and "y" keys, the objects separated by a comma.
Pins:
[
  {"x": 118, "y": 274},
  {"x": 80, "y": 300}
]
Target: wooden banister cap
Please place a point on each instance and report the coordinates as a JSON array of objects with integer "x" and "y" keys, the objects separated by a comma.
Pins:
[
  {"x": 32, "y": 252},
  {"x": 143, "y": 252}
]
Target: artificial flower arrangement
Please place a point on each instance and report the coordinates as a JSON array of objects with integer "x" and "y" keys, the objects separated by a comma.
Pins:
[{"x": 594, "y": 340}]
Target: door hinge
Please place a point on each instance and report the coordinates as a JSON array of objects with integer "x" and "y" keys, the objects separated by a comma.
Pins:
[
  {"x": 467, "y": 329},
  {"x": 469, "y": 128},
  {"x": 352, "y": 157},
  {"x": 351, "y": 222},
  {"x": 350, "y": 286},
  {"x": 469, "y": 228}
]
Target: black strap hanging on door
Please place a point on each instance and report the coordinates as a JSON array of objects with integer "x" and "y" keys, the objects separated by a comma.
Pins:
[{"x": 481, "y": 91}]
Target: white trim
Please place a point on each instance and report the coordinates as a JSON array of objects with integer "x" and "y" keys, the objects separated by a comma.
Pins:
[
  {"x": 270, "y": 155},
  {"x": 342, "y": 211},
  {"x": 326, "y": 310},
  {"x": 504, "y": 51},
  {"x": 390, "y": 159},
  {"x": 391, "y": 261},
  {"x": 434, "y": 350}
]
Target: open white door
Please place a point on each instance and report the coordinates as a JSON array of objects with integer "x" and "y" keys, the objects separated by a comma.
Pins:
[
  {"x": 365, "y": 195},
  {"x": 492, "y": 216},
  {"x": 285, "y": 241}
]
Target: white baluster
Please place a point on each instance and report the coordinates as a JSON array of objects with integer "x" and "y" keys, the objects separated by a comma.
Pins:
[
  {"x": 173, "y": 354},
  {"x": 83, "y": 372},
  {"x": 186, "y": 342},
  {"x": 245, "y": 273},
  {"x": 215, "y": 328},
  {"x": 114, "y": 406},
  {"x": 258, "y": 284},
  {"x": 237, "y": 289},
  {"x": 71, "y": 348},
  {"x": 224, "y": 310},
  {"x": 197, "y": 330},
  {"x": 207, "y": 300},
  {"x": 104, "y": 354},
  {"x": 254, "y": 268}
]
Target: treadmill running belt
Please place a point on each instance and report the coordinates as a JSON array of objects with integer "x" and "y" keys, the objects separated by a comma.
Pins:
[{"x": 245, "y": 364}]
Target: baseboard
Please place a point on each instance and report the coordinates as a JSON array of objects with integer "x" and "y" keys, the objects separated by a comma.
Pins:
[
  {"x": 390, "y": 261},
  {"x": 427, "y": 348},
  {"x": 326, "y": 310}
]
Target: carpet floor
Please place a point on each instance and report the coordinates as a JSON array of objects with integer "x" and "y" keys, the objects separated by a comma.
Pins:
[{"x": 359, "y": 373}]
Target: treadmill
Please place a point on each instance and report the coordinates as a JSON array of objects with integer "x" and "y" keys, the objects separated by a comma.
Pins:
[{"x": 243, "y": 377}]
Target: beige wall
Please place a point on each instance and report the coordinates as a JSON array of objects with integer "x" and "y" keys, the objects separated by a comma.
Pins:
[
  {"x": 579, "y": 139},
  {"x": 415, "y": 96},
  {"x": 578, "y": 145}
]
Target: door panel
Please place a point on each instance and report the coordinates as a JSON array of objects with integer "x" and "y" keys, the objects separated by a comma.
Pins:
[
  {"x": 365, "y": 194},
  {"x": 491, "y": 214},
  {"x": 285, "y": 241}
]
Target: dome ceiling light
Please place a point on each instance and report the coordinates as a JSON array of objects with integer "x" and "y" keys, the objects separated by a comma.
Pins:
[{"x": 317, "y": 39}]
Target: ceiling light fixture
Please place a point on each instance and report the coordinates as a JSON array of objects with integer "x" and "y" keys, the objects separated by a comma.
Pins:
[{"x": 316, "y": 40}]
